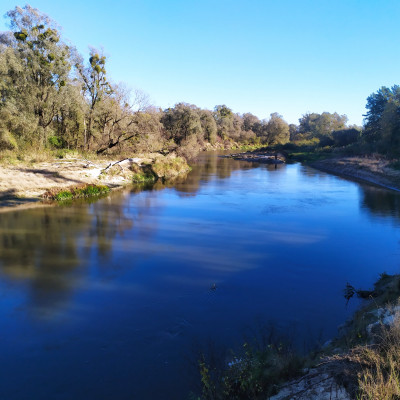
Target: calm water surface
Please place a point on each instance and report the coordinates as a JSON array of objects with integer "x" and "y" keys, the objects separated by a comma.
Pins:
[{"x": 113, "y": 299}]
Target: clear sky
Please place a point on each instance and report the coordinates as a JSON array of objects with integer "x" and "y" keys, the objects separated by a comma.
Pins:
[{"x": 259, "y": 56}]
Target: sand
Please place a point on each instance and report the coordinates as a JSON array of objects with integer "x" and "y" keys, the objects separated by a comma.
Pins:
[{"x": 23, "y": 185}]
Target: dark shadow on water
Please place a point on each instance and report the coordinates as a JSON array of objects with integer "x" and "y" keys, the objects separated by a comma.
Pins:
[{"x": 379, "y": 202}]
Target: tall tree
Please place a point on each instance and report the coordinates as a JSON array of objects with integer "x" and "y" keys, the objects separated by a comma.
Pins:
[
  {"x": 321, "y": 126},
  {"x": 95, "y": 87},
  {"x": 377, "y": 103},
  {"x": 276, "y": 130},
  {"x": 45, "y": 60},
  {"x": 182, "y": 122}
]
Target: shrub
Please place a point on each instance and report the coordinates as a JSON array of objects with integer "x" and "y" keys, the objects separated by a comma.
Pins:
[
  {"x": 170, "y": 167},
  {"x": 55, "y": 141},
  {"x": 144, "y": 177},
  {"x": 7, "y": 141},
  {"x": 254, "y": 373},
  {"x": 76, "y": 192}
]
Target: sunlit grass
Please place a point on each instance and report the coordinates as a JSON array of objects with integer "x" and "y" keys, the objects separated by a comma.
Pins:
[{"x": 83, "y": 191}]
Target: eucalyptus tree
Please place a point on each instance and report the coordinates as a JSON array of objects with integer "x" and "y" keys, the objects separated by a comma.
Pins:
[{"x": 36, "y": 67}]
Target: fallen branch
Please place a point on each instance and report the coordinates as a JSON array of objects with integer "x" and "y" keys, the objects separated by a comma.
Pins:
[{"x": 119, "y": 162}]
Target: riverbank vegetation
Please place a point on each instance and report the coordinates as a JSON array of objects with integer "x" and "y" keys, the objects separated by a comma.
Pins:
[
  {"x": 53, "y": 102},
  {"x": 362, "y": 362},
  {"x": 77, "y": 192},
  {"x": 53, "y": 99},
  {"x": 57, "y": 104}
]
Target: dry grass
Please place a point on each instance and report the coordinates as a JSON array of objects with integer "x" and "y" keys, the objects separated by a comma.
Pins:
[{"x": 378, "y": 365}]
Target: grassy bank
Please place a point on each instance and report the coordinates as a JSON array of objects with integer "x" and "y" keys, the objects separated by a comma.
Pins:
[
  {"x": 77, "y": 192},
  {"x": 363, "y": 362}
]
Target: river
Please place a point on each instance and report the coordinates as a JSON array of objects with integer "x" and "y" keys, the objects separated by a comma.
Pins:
[{"x": 115, "y": 298}]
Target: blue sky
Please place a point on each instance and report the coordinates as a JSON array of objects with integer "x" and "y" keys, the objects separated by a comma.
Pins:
[{"x": 257, "y": 56}]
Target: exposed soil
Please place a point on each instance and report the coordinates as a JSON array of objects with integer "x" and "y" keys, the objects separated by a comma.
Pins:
[
  {"x": 23, "y": 185},
  {"x": 374, "y": 170}
]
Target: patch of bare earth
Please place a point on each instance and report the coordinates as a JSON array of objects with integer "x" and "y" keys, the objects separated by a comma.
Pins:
[
  {"x": 24, "y": 184},
  {"x": 370, "y": 169}
]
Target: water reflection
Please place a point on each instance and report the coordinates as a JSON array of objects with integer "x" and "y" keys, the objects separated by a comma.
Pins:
[
  {"x": 130, "y": 274},
  {"x": 50, "y": 248},
  {"x": 380, "y": 202}
]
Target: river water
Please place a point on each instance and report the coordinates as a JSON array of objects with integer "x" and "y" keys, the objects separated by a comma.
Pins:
[{"x": 114, "y": 299}]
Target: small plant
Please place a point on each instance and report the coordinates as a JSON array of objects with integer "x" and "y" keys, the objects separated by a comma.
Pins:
[
  {"x": 55, "y": 142},
  {"x": 64, "y": 195},
  {"x": 76, "y": 192},
  {"x": 252, "y": 373},
  {"x": 143, "y": 178}
]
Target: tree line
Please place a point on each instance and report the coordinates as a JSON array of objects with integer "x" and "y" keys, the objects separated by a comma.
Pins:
[{"x": 52, "y": 98}]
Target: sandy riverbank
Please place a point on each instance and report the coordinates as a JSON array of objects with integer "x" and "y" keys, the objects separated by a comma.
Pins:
[
  {"x": 370, "y": 169},
  {"x": 22, "y": 185}
]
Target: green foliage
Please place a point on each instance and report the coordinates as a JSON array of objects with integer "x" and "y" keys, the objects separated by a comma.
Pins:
[
  {"x": 382, "y": 122},
  {"x": 276, "y": 130},
  {"x": 182, "y": 122},
  {"x": 345, "y": 137},
  {"x": 83, "y": 191},
  {"x": 321, "y": 126},
  {"x": 51, "y": 96},
  {"x": 170, "y": 167},
  {"x": 64, "y": 195},
  {"x": 7, "y": 140},
  {"x": 144, "y": 177},
  {"x": 55, "y": 142},
  {"x": 33, "y": 67},
  {"x": 253, "y": 373}
]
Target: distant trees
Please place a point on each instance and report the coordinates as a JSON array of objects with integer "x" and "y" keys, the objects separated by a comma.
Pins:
[
  {"x": 51, "y": 97},
  {"x": 276, "y": 130},
  {"x": 320, "y": 126},
  {"x": 344, "y": 137},
  {"x": 382, "y": 120}
]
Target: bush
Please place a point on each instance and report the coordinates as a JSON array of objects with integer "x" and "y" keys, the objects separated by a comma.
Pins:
[
  {"x": 345, "y": 137},
  {"x": 55, "y": 142},
  {"x": 254, "y": 373},
  {"x": 76, "y": 192},
  {"x": 7, "y": 141},
  {"x": 170, "y": 167}
]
